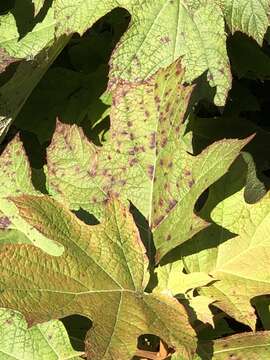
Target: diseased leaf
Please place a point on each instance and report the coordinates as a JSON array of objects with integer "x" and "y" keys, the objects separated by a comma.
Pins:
[
  {"x": 15, "y": 179},
  {"x": 43, "y": 341},
  {"x": 142, "y": 161},
  {"x": 246, "y": 346},
  {"x": 101, "y": 275},
  {"x": 236, "y": 252}
]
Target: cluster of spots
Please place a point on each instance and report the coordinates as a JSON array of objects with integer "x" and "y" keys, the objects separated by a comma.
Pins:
[{"x": 165, "y": 40}]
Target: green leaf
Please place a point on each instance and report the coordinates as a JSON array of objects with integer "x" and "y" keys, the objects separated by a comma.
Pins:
[
  {"x": 142, "y": 161},
  {"x": 248, "y": 16},
  {"x": 43, "y": 341},
  {"x": 15, "y": 179},
  {"x": 239, "y": 261},
  {"x": 101, "y": 275}
]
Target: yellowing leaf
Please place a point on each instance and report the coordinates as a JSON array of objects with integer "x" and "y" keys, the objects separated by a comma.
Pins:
[{"x": 101, "y": 275}]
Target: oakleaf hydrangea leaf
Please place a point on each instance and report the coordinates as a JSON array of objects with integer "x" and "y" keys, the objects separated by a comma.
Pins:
[
  {"x": 249, "y": 16},
  {"x": 142, "y": 161},
  {"x": 200, "y": 305},
  {"x": 15, "y": 179},
  {"x": 101, "y": 275},
  {"x": 43, "y": 341},
  {"x": 246, "y": 346},
  {"x": 240, "y": 260},
  {"x": 171, "y": 277}
]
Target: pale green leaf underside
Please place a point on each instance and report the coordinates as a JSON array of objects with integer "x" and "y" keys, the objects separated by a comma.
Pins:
[
  {"x": 101, "y": 275},
  {"x": 172, "y": 279},
  {"x": 48, "y": 341},
  {"x": 240, "y": 262}
]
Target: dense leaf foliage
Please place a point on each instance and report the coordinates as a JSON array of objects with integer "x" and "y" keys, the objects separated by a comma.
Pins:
[{"x": 134, "y": 178}]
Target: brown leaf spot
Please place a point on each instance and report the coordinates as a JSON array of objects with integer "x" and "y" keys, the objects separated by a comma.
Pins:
[
  {"x": 157, "y": 99},
  {"x": 133, "y": 161},
  {"x": 150, "y": 171},
  {"x": 158, "y": 220},
  {"x": 4, "y": 222},
  {"x": 169, "y": 237},
  {"x": 152, "y": 144},
  {"x": 165, "y": 40},
  {"x": 191, "y": 183},
  {"x": 129, "y": 123}
]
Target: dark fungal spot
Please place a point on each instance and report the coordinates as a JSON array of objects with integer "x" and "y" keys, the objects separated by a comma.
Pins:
[
  {"x": 146, "y": 113},
  {"x": 150, "y": 171},
  {"x": 165, "y": 40},
  {"x": 158, "y": 220},
  {"x": 191, "y": 183},
  {"x": 133, "y": 161},
  {"x": 131, "y": 136},
  {"x": 129, "y": 123},
  {"x": 157, "y": 99},
  {"x": 4, "y": 222},
  {"x": 170, "y": 164},
  {"x": 168, "y": 107},
  {"x": 169, "y": 237},
  {"x": 172, "y": 203},
  {"x": 187, "y": 173},
  {"x": 109, "y": 157},
  {"x": 92, "y": 172},
  {"x": 152, "y": 144}
]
